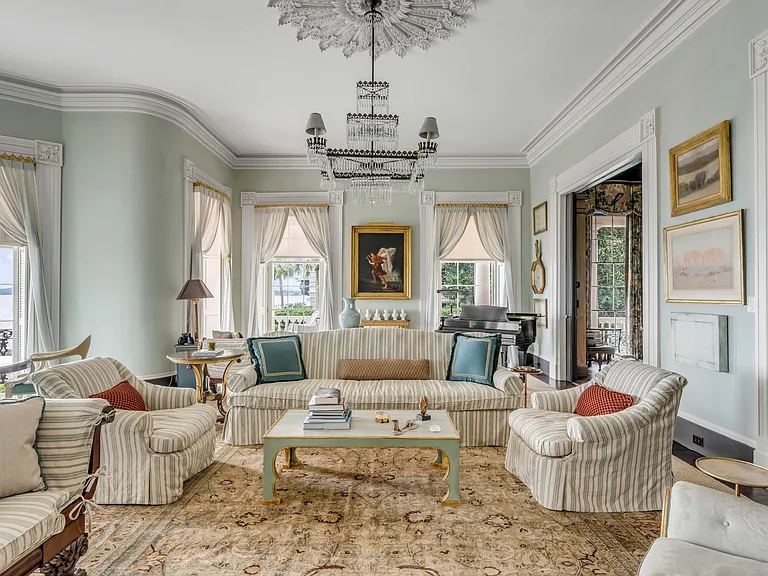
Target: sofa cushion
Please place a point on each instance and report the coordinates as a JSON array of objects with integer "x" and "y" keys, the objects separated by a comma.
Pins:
[
  {"x": 543, "y": 431},
  {"x": 277, "y": 359},
  {"x": 383, "y": 369},
  {"x": 599, "y": 401},
  {"x": 19, "y": 460},
  {"x": 177, "y": 429},
  {"x": 378, "y": 394},
  {"x": 474, "y": 358},
  {"x": 123, "y": 397},
  {"x": 671, "y": 557},
  {"x": 28, "y": 520}
]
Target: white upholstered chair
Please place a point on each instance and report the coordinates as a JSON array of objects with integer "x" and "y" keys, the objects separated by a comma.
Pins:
[
  {"x": 147, "y": 455},
  {"x": 618, "y": 462}
]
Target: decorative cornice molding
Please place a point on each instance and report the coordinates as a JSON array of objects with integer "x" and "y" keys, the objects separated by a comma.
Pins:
[
  {"x": 553, "y": 186},
  {"x": 668, "y": 27},
  {"x": 48, "y": 153},
  {"x": 648, "y": 126},
  {"x": 193, "y": 174},
  {"x": 443, "y": 163},
  {"x": 247, "y": 198},
  {"x": 336, "y": 198},
  {"x": 189, "y": 169},
  {"x": 758, "y": 55},
  {"x": 427, "y": 198},
  {"x": 515, "y": 198}
]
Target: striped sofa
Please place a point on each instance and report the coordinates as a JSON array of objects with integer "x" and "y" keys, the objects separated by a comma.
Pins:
[
  {"x": 147, "y": 455},
  {"x": 479, "y": 412},
  {"x": 616, "y": 463}
]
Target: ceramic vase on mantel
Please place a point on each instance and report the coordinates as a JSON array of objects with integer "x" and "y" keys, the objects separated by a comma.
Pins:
[{"x": 350, "y": 317}]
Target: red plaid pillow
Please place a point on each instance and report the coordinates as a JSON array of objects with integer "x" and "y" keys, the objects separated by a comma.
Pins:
[
  {"x": 598, "y": 401},
  {"x": 123, "y": 397}
]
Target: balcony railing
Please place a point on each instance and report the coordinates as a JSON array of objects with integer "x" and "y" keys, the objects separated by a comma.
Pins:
[
  {"x": 6, "y": 341},
  {"x": 292, "y": 323}
]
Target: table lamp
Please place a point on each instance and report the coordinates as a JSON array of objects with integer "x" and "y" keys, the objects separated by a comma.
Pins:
[{"x": 194, "y": 290}]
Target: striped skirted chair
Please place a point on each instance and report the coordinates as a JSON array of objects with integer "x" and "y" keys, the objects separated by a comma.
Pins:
[
  {"x": 147, "y": 455},
  {"x": 619, "y": 462}
]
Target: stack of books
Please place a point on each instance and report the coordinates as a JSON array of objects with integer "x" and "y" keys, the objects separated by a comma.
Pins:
[{"x": 327, "y": 411}]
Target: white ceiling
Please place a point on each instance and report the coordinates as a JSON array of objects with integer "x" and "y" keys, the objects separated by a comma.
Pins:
[{"x": 492, "y": 86}]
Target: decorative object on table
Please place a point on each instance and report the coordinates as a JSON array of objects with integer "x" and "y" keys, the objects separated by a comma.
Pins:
[
  {"x": 367, "y": 314},
  {"x": 381, "y": 262},
  {"x": 523, "y": 372},
  {"x": 474, "y": 358},
  {"x": 435, "y": 428},
  {"x": 207, "y": 353},
  {"x": 403, "y": 315},
  {"x": 277, "y": 359},
  {"x": 540, "y": 309},
  {"x": 700, "y": 340},
  {"x": 327, "y": 411},
  {"x": 386, "y": 315},
  {"x": 423, "y": 405},
  {"x": 350, "y": 317},
  {"x": 704, "y": 261},
  {"x": 540, "y": 218},
  {"x": 409, "y": 425},
  {"x": 700, "y": 171},
  {"x": 737, "y": 472},
  {"x": 538, "y": 273},
  {"x": 371, "y": 167},
  {"x": 194, "y": 290},
  {"x": 186, "y": 339},
  {"x": 367, "y": 369},
  {"x": 381, "y": 417},
  {"x": 376, "y": 315},
  {"x": 211, "y": 345}
]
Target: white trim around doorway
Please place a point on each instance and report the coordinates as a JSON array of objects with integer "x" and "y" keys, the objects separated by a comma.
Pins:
[{"x": 637, "y": 144}]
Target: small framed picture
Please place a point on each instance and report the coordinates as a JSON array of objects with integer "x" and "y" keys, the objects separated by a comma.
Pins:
[
  {"x": 540, "y": 218},
  {"x": 540, "y": 308},
  {"x": 700, "y": 171}
]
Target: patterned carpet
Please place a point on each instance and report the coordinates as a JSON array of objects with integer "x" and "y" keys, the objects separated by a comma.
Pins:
[{"x": 365, "y": 512}]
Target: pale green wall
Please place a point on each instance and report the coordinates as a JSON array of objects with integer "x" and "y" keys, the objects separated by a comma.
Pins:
[
  {"x": 702, "y": 82},
  {"x": 403, "y": 211},
  {"x": 30, "y": 122},
  {"x": 122, "y": 219}
]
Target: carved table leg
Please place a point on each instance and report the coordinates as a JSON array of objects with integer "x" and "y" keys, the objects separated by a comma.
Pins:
[{"x": 64, "y": 563}]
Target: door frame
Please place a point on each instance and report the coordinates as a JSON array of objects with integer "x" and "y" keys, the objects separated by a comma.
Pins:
[{"x": 637, "y": 144}]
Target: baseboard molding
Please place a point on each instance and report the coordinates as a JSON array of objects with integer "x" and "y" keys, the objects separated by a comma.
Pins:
[
  {"x": 715, "y": 443},
  {"x": 542, "y": 364}
]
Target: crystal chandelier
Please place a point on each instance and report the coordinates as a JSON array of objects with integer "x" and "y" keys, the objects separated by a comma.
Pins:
[{"x": 371, "y": 167}]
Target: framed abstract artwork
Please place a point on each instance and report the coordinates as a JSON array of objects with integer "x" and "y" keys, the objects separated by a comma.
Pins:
[
  {"x": 381, "y": 262},
  {"x": 704, "y": 261},
  {"x": 540, "y": 218},
  {"x": 700, "y": 171}
]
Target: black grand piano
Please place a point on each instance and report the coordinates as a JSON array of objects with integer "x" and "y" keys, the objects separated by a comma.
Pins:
[{"x": 518, "y": 330}]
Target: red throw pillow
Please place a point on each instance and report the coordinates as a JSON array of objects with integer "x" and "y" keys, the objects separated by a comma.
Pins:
[
  {"x": 598, "y": 401},
  {"x": 123, "y": 397}
]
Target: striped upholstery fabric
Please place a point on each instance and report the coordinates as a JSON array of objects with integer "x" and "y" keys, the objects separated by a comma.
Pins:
[
  {"x": 480, "y": 412},
  {"x": 217, "y": 370},
  {"x": 618, "y": 462},
  {"x": 546, "y": 433},
  {"x": 137, "y": 473},
  {"x": 28, "y": 520}
]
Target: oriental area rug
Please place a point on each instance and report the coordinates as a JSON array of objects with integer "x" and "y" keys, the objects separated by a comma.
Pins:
[{"x": 366, "y": 512}]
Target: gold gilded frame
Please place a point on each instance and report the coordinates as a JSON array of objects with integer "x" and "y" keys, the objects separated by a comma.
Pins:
[
  {"x": 723, "y": 133},
  {"x": 382, "y": 228},
  {"x": 538, "y": 265},
  {"x": 743, "y": 297},
  {"x": 546, "y": 218}
]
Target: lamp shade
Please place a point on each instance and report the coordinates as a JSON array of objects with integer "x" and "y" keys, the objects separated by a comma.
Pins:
[
  {"x": 194, "y": 289},
  {"x": 429, "y": 130},
  {"x": 315, "y": 125}
]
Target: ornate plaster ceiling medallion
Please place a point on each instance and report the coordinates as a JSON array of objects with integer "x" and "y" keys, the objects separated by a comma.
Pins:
[{"x": 403, "y": 23}]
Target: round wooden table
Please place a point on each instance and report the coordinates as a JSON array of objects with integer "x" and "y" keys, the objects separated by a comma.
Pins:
[
  {"x": 199, "y": 364},
  {"x": 736, "y": 472},
  {"x": 524, "y": 372}
]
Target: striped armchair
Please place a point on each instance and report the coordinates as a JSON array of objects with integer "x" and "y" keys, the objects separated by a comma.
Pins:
[
  {"x": 615, "y": 463},
  {"x": 147, "y": 455}
]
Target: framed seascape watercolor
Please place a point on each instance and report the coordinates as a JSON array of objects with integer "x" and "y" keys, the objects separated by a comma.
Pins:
[
  {"x": 704, "y": 260},
  {"x": 540, "y": 218},
  {"x": 381, "y": 262},
  {"x": 700, "y": 171}
]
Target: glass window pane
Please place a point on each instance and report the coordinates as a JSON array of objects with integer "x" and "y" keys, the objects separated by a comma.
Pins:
[
  {"x": 604, "y": 298},
  {"x": 618, "y": 275},
  {"x": 605, "y": 274},
  {"x": 604, "y": 251},
  {"x": 450, "y": 274},
  {"x": 620, "y": 298},
  {"x": 466, "y": 273}
]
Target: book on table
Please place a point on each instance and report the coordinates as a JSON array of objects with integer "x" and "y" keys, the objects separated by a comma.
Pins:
[
  {"x": 326, "y": 396},
  {"x": 325, "y": 423}
]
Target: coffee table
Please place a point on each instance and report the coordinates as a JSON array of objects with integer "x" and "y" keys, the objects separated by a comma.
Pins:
[
  {"x": 737, "y": 472},
  {"x": 288, "y": 433}
]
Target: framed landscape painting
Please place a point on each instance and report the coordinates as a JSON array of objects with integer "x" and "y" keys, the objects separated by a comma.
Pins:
[
  {"x": 700, "y": 171},
  {"x": 540, "y": 218},
  {"x": 704, "y": 261},
  {"x": 381, "y": 262}
]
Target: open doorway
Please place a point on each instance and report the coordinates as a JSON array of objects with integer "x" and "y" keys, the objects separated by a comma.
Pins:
[{"x": 607, "y": 303}]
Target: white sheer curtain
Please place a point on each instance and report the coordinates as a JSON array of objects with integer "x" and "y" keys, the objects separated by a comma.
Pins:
[
  {"x": 493, "y": 230},
  {"x": 20, "y": 220},
  {"x": 315, "y": 223},
  {"x": 227, "y": 307},
  {"x": 270, "y": 227},
  {"x": 206, "y": 227},
  {"x": 450, "y": 224}
]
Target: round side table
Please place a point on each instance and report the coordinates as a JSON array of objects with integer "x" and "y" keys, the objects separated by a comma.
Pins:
[
  {"x": 199, "y": 364},
  {"x": 524, "y": 372},
  {"x": 736, "y": 472}
]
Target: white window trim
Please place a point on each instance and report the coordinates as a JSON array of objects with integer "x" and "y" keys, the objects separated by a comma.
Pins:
[
  {"x": 269, "y": 296},
  {"x": 497, "y": 280},
  {"x": 49, "y": 160}
]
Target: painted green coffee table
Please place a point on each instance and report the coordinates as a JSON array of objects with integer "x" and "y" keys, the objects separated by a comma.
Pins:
[{"x": 288, "y": 433}]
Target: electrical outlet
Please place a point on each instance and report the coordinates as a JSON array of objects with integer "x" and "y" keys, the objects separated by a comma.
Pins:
[{"x": 698, "y": 440}]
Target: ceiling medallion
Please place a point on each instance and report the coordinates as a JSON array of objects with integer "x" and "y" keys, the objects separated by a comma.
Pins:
[{"x": 404, "y": 23}]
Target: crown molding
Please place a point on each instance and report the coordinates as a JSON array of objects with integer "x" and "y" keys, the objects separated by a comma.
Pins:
[{"x": 666, "y": 28}]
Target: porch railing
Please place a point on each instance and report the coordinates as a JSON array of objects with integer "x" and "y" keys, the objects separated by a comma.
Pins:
[{"x": 6, "y": 340}]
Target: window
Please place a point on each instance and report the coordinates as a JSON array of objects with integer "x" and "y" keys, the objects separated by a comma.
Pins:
[
  {"x": 472, "y": 273},
  {"x": 609, "y": 282},
  {"x": 296, "y": 272},
  {"x": 13, "y": 291},
  {"x": 210, "y": 315}
]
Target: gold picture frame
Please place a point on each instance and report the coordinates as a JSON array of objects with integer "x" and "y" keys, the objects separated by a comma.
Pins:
[
  {"x": 704, "y": 261},
  {"x": 381, "y": 262},
  {"x": 538, "y": 272},
  {"x": 540, "y": 223},
  {"x": 700, "y": 171},
  {"x": 540, "y": 308}
]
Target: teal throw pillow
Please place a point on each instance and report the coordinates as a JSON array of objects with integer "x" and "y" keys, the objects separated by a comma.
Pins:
[
  {"x": 277, "y": 359},
  {"x": 474, "y": 358}
]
